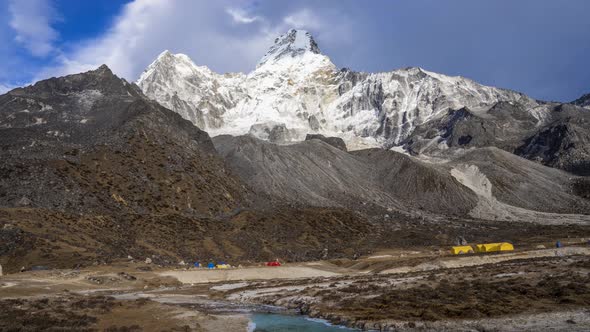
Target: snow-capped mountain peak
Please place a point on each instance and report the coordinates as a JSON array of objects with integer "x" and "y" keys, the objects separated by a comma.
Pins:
[
  {"x": 296, "y": 90},
  {"x": 179, "y": 63},
  {"x": 164, "y": 54},
  {"x": 291, "y": 44},
  {"x": 195, "y": 92}
]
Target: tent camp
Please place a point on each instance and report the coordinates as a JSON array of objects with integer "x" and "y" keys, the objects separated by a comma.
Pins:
[
  {"x": 491, "y": 247},
  {"x": 459, "y": 250},
  {"x": 222, "y": 266}
]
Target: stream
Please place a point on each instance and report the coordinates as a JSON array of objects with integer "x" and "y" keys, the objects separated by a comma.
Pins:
[
  {"x": 279, "y": 322},
  {"x": 263, "y": 318}
]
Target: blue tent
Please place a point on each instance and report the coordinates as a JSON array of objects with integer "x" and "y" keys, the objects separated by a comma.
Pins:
[
  {"x": 197, "y": 264},
  {"x": 210, "y": 266}
]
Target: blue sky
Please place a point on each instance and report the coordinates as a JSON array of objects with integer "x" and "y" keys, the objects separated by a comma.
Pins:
[{"x": 538, "y": 47}]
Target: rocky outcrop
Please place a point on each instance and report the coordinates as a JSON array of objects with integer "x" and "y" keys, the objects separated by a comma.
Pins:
[
  {"x": 557, "y": 136},
  {"x": 290, "y": 45},
  {"x": 271, "y": 131},
  {"x": 336, "y": 142},
  {"x": 583, "y": 101},
  {"x": 564, "y": 144}
]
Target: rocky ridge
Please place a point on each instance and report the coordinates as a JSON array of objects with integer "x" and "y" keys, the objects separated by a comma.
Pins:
[{"x": 583, "y": 101}]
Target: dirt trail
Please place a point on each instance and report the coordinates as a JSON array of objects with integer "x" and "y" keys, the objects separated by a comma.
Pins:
[
  {"x": 320, "y": 269},
  {"x": 252, "y": 273}
]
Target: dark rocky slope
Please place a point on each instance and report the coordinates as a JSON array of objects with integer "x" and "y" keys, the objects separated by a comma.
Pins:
[
  {"x": 91, "y": 143},
  {"x": 31, "y": 237},
  {"x": 526, "y": 184},
  {"x": 564, "y": 144},
  {"x": 316, "y": 173},
  {"x": 426, "y": 186},
  {"x": 92, "y": 170}
]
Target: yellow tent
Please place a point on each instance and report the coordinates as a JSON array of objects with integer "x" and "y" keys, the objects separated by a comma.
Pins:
[
  {"x": 490, "y": 247},
  {"x": 458, "y": 250}
]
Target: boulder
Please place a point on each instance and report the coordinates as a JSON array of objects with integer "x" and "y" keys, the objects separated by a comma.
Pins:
[
  {"x": 460, "y": 241},
  {"x": 271, "y": 131},
  {"x": 24, "y": 201},
  {"x": 336, "y": 142}
]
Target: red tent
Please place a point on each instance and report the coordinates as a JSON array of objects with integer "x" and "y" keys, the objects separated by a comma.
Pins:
[{"x": 274, "y": 263}]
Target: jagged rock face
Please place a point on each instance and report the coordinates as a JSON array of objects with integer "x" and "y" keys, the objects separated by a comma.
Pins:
[
  {"x": 583, "y": 101},
  {"x": 93, "y": 143},
  {"x": 396, "y": 103},
  {"x": 296, "y": 85},
  {"x": 504, "y": 125},
  {"x": 291, "y": 44},
  {"x": 195, "y": 92},
  {"x": 560, "y": 140},
  {"x": 563, "y": 143}
]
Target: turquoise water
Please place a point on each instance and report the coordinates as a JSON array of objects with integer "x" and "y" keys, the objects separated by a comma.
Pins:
[{"x": 291, "y": 323}]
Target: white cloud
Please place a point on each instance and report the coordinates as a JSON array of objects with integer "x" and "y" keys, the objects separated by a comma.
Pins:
[
  {"x": 303, "y": 19},
  {"x": 201, "y": 29},
  {"x": 32, "y": 20},
  {"x": 240, "y": 16},
  {"x": 331, "y": 25}
]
